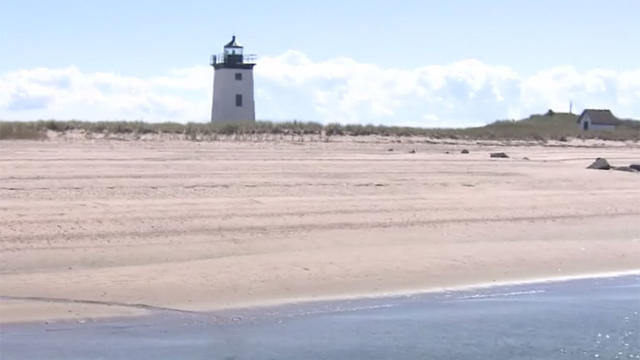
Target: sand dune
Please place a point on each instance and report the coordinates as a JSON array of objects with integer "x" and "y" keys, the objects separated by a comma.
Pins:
[{"x": 105, "y": 226}]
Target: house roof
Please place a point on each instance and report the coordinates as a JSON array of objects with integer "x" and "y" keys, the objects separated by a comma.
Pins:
[
  {"x": 600, "y": 117},
  {"x": 233, "y": 43}
]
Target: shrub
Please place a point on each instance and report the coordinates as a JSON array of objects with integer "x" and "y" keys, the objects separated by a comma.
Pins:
[{"x": 20, "y": 131}]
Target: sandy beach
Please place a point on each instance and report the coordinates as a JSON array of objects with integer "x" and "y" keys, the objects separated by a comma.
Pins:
[{"x": 93, "y": 228}]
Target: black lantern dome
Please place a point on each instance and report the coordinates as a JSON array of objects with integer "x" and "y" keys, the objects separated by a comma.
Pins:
[{"x": 233, "y": 57}]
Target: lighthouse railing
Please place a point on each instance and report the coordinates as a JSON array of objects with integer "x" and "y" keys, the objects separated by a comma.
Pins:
[
  {"x": 220, "y": 59},
  {"x": 250, "y": 58}
]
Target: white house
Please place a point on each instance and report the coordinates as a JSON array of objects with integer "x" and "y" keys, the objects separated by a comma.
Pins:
[
  {"x": 597, "y": 120},
  {"x": 233, "y": 85}
]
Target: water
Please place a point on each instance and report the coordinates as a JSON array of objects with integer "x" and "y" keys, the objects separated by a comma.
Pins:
[{"x": 577, "y": 319}]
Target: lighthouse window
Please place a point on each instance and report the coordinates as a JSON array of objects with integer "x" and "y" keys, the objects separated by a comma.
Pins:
[
  {"x": 239, "y": 100},
  {"x": 238, "y": 76}
]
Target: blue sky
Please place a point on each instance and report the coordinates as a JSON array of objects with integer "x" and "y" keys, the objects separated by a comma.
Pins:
[{"x": 475, "y": 61}]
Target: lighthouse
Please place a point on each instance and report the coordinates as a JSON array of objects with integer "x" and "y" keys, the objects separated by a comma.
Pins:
[{"x": 233, "y": 85}]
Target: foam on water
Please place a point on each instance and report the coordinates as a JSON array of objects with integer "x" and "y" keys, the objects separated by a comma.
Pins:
[{"x": 494, "y": 295}]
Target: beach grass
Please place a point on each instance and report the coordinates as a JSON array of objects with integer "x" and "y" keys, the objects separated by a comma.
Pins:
[
  {"x": 549, "y": 126},
  {"x": 21, "y": 131}
]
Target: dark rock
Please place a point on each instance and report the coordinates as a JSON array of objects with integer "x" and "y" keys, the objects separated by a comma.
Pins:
[
  {"x": 464, "y": 151},
  {"x": 600, "y": 164},
  {"x": 499, "y": 155},
  {"x": 390, "y": 149},
  {"x": 525, "y": 158},
  {"x": 635, "y": 166},
  {"x": 412, "y": 151},
  {"x": 624, "y": 168}
]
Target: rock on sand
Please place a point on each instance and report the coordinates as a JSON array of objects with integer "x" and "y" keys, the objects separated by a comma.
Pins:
[
  {"x": 600, "y": 164},
  {"x": 499, "y": 155},
  {"x": 625, "y": 168}
]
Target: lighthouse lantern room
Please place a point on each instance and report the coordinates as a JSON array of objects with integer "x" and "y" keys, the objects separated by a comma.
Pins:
[{"x": 233, "y": 85}]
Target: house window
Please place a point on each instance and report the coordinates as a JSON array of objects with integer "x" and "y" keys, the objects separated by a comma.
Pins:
[
  {"x": 238, "y": 76},
  {"x": 239, "y": 100}
]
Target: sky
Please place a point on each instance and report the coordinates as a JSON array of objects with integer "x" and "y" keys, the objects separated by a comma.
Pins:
[{"x": 419, "y": 63}]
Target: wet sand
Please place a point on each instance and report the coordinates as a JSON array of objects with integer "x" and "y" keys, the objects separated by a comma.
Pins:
[{"x": 104, "y": 228}]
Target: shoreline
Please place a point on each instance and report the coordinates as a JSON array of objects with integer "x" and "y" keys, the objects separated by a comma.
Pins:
[
  {"x": 149, "y": 310},
  {"x": 549, "y": 320},
  {"x": 267, "y": 304},
  {"x": 435, "y": 290}
]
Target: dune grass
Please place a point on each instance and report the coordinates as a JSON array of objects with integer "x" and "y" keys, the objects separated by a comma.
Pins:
[
  {"x": 550, "y": 126},
  {"x": 21, "y": 131}
]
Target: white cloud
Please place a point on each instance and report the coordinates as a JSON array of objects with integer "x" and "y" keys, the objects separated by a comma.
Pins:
[
  {"x": 68, "y": 93},
  {"x": 463, "y": 93},
  {"x": 293, "y": 86}
]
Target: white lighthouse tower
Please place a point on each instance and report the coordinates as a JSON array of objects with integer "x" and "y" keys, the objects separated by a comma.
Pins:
[{"x": 233, "y": 85}]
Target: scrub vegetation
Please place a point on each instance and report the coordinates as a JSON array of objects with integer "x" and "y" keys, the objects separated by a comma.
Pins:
[{"x": 549, "y": 126}]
